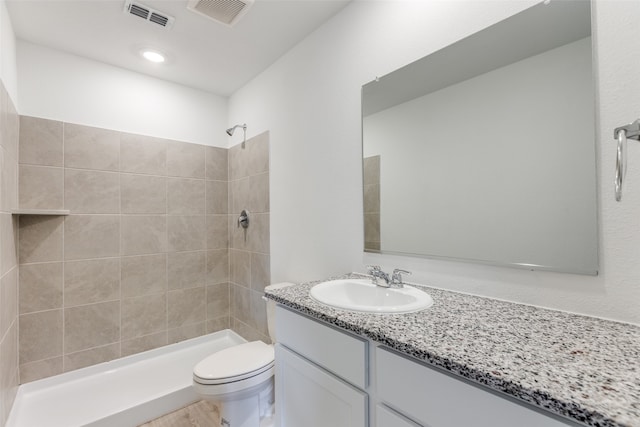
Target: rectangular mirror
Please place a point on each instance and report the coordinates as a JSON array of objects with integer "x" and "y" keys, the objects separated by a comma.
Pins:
[{"x": 484, "y": 151}]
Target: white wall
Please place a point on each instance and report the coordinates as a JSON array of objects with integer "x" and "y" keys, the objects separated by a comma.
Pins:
[
  {"x": 60, "y": 86},
  {"x": 310, "y": 101},
  {"x": 8, "y": 53}
]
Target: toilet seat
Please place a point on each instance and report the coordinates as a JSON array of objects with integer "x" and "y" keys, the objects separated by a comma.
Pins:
[{"x": 235, "y": 364}]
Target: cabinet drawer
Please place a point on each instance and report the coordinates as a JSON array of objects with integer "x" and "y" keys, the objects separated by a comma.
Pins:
[
  {"x": 436, "y": 399},
  {"x": 343, "y": 354},
  {"x": 307, "y": 396},
  {"x": 387, "y": 418}
]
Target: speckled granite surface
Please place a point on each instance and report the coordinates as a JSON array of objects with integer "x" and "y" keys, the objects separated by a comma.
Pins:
[{"x": 583, "y": 368}]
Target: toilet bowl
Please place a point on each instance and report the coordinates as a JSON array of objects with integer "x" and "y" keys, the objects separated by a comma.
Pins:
[{"x": 240, "y": 380}]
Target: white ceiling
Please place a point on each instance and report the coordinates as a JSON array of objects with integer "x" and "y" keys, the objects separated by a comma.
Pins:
[{"x": 201, "y": 53}]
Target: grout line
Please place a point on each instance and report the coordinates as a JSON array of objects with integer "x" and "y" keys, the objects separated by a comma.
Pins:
[{"x": 64, "y": 222}]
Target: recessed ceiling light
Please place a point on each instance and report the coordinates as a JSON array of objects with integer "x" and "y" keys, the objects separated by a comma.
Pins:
[{"x": 153, "y": 56}]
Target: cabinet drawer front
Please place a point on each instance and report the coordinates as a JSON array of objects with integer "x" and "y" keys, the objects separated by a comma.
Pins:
[
  {"x": 307, "y": 396},
  {"x": 438, "y": 400},
  {"x": 387, "y": 418},
  {"x": 338, "y": 352}
]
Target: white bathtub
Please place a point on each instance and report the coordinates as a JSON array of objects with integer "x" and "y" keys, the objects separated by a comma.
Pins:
[{"x": 121, "y": 393}]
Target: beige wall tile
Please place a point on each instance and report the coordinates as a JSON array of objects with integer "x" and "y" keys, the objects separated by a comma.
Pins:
[
  {"x": 186, "y": 332},
  {"x": 255, "y": 238},
  {"x": 259, "y": 193},
  {"x": 371, "y": 170},
  {"x": 144, "y": 315},
  {"x": 218, "y": 301},
  {"x": 90, "y": 357},
  {"x": 239, "y": 238},
  {"x": 259, "y": 236},
  {"x": 91, "y": 281},
  {"x": 241, "y": 303},
  {"x": 185, "y": 159},
  {"x": 217, "y": 231},
  {"x": 186, "y": 269},
  {"x": 258, "y": 313},
  {"x": 8, "y": 242},
  {"x": 9, "y": 184},
  {"x": 217, "y": 266},
  {"x": 218, "y": 324},
  {"x": 217, "y": 163},
  {"x": 142, "y": 275},
  {"x": 40, "y": 336},
  {"x": 91, "y": 236},
  {"x": 185, "y": 196},
  {"x": 40, "y": 141},
  {"x": 260, "y": 271},
  {"x": 9, "y": 300},
  {"x": 140, "y": 344},
  {"x": 251, "y": 160},
  {"x": 258, "y": 153},
  {"x": 41, "y": 369},
  {"x": 240, "y": 267},
  {"x": 143, "y": 194},
  {"x": 144, "y": 234},
  {"x": 40, "y": 287},
  {"x": 186, "y": 233},
  {"x": 9, "y": 367},
  {"x": 239, "y": 195},
  {"x": 91, "y": 191},
  {"x": 247, "y": 332},
  {"x": 372, "y": 227},
  {"x": 88, "y": 147},
  {"x": 40, "y": 187},
  {"x": 3, "y": 115},
  {"x": 217, "y": 197},
  {"x": 372, "y": 198},
  {"x": 12, "y": 129},
  {"x": 186, "y": 306},
  {"x": 143, "y": 154},
  {"x": 238, "y": 162},
  {"x": 40, "y": 238},
  {"x": 89, "y": 326}
]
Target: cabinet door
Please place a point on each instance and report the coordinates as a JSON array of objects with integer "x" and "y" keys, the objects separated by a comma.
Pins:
[
  {"x": 308, "y": 396},
  {"x": 387, "y": 418}
]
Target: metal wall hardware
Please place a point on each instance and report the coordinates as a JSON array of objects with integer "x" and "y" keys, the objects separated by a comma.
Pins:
[
  {"x": 621, "y": 134},
  {"x": 243, "y": 219}
]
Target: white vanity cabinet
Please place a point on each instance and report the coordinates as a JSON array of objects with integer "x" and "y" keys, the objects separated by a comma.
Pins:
[
  {"x": 435, "y": 399},
  {"x": 327, "y": 377},
  {"x": 320, "y": 374}
]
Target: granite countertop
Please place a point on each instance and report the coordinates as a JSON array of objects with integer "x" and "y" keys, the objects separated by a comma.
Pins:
[{"x": 583, "y": 368}]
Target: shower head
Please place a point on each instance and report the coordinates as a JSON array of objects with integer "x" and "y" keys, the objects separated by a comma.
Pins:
[
  {"x": 231, "y": 130},
  {"x": 244, "y": 128}
]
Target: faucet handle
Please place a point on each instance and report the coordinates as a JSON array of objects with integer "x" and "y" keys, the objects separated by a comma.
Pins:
[
  {"x": 373, "y": 268},
  {"x": 396, "y": 277}
]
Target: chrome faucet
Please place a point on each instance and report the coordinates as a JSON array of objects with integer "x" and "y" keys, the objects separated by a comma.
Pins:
[{"x": 394, "y": 281}]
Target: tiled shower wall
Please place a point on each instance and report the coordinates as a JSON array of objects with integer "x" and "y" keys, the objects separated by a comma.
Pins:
[
  {"x": 9, "y": 129},
  {"x": 141, "y": 261},
  {"x": 249, "y": 249}
]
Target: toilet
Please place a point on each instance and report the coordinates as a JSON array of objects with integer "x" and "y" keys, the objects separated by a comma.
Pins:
[{"x": 240, "y": 380}]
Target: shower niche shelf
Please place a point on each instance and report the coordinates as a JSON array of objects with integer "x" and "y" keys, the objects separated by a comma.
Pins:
[{"x": 40, "y": 212}]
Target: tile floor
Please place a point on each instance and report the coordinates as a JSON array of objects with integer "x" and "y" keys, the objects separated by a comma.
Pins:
[{"x": 199, "y": 414}]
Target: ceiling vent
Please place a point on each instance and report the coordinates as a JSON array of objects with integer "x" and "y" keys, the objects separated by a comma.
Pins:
[
  {"x": 227, "y": 12},
  {"x": 148, "y": 14}
]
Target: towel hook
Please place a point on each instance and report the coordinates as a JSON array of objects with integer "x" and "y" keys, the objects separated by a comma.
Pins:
[{"x": 621, "y": 134}]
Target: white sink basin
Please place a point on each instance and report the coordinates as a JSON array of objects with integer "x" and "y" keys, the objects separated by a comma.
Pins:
[{"x": 362, "y": 295}]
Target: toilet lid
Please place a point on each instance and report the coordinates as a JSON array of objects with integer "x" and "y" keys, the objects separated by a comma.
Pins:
[{"x": 235, "y": 363}]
